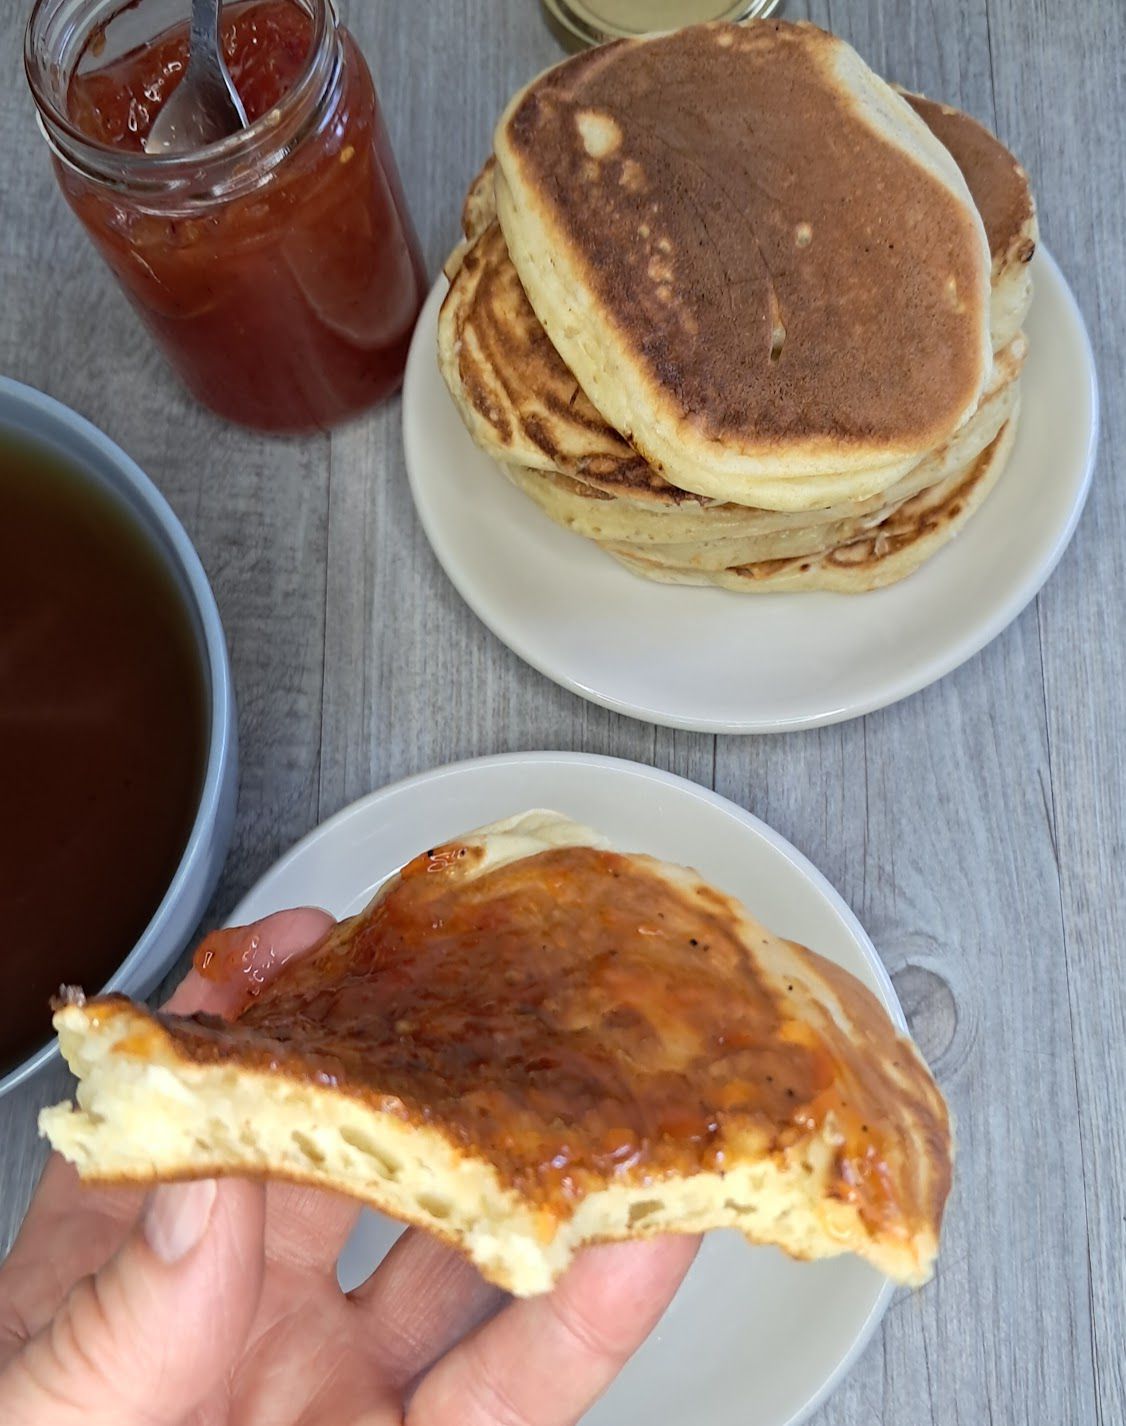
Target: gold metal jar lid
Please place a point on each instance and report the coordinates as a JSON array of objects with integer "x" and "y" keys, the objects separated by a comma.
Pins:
[{"x": 592, "y": 22}]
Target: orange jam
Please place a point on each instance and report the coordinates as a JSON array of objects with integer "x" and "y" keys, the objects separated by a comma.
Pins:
[
  {"x": 265, "y": 46},
  {"x": 574, "y": 1017},
  {"x": 282, "y": 281}
]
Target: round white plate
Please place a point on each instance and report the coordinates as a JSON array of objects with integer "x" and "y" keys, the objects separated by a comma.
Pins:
[
  {"x": 736, "y": 663},
  {"x": 752, "y": 1339}
]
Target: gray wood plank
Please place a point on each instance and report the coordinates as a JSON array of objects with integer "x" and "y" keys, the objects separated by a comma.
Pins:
[
  {"x": 962, "y": 901},
  {"x": 1067, "y": 117}
]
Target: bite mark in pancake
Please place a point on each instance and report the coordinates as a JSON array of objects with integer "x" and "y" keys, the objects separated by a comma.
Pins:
[
  {"x": 581, "y": 1031},
  {"x": 740, "y": 145}
]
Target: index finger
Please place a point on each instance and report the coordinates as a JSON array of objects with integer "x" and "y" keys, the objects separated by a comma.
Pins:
[
  {"x": 83, "y": 1224},
  {"x": 245, "y": 958},
  {"x": 259, "y": 948}
]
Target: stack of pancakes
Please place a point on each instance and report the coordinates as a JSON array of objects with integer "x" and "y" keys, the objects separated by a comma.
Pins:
[{"x": 739, "y": 312}]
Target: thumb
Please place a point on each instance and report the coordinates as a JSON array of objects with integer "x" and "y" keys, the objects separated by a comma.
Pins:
[{"x": 153, "y": 1334}]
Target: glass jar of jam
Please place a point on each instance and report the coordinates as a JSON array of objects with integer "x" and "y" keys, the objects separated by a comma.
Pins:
[{"x": 278, "y": 269}]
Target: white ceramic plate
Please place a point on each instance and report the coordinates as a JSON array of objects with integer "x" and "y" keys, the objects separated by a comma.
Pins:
[
  {"x": 753, "y": 1339},
  {"x": 736, "y": 663}
]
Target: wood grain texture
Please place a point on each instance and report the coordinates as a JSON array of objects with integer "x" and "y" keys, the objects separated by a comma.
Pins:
[
  {"x": 1073, "y": 137},
  {"x": 977, "y": 828}
]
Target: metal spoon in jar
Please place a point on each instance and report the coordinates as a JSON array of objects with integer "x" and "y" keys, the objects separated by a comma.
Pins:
[{"x": 205, "y": 106}]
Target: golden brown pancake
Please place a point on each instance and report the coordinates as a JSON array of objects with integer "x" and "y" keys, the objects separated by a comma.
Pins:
[
  {"x": 883, "y": 555},
  {"x": 527, "y": 1042},
  {"x": 744, "y": 534},
  {"x": 998, "y": 184},
  {"x": 512, "y": 388},
  {"x": 677, "y": 209},
  {"x": 524, "y": 407},
  {"x": 1002, "y": 194}
]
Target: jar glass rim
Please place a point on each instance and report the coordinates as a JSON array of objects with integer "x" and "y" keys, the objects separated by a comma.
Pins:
[
  {"x": 74, "y": 144},
  {"x": 580, "y": 26}
]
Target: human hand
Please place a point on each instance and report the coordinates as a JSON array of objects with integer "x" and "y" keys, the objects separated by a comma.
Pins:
[{"x": 215, "y": 1303}]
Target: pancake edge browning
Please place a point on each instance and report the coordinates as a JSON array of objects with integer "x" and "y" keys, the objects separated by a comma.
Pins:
[
  {"x": 670, "y": 535},
  {"x": 583, "y": 448},
  {"x": 521, "y": 425},
  {"x": 149, "y": 1112},
  {"x": 750, "y": 467},
  {"x": 1003, "y": 196},
  {"x": 913, "y": 534}
]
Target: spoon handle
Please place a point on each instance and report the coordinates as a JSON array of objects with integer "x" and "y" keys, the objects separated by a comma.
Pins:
[
  {"x": 205, "y": 53},
  {"x": 205, "y": 106}
]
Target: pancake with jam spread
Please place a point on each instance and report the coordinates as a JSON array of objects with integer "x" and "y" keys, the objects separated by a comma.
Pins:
[
  {"x": 528, "y": 1042},
  {"x": 759, "y": 263}
]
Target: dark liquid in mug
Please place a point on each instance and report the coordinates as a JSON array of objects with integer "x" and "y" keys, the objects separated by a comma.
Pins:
[{"x": 103, "y": 737}]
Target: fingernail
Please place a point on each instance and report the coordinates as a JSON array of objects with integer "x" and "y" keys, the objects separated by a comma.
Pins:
[{"x": 176, "y": 1217}]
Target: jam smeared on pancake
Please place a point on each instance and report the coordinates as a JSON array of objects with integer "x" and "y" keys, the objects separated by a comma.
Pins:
[{"x": 575, "y": 1017}]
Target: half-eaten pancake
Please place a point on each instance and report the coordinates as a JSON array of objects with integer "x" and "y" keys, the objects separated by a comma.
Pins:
[
  {"x": 883, "y": 555},
  {"x": 678, "y": 209},
  {"x": 529, "y": 1042},
  {"x": 523, "y": 405}
]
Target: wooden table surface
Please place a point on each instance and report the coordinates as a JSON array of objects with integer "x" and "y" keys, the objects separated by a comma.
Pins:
[{"x": 977, "y": 828}]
